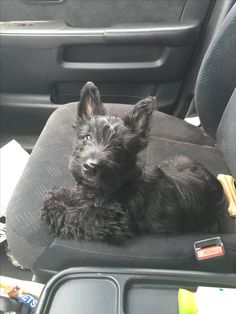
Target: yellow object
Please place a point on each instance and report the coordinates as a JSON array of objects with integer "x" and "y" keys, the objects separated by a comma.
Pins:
[
  {"x": 33, "y": 288},
  {"x": 187, "y": 302},
  {"x": 230, "y": 192}
]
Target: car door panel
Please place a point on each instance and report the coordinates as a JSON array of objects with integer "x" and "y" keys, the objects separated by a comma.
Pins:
[
  {"x": 94, "y": 13},
  {"x": 130, "y": 49}
]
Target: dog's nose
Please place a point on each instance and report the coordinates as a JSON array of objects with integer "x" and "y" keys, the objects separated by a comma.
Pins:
[{"x": 90, "y": 167}]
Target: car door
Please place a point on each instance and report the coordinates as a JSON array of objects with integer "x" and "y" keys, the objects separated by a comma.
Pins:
[{"x": 129, "y": 48}]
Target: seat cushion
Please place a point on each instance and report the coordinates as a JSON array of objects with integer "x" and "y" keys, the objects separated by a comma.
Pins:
[
  {"x": 167, "y": 126},
  {"x": 27, "y": 237}
]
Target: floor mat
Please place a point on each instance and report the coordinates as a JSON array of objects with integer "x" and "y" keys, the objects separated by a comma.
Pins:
[{"x": 7, "y": 269}]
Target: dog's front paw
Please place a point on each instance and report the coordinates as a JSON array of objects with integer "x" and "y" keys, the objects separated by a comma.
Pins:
[
  {"x": 53, "y": 211},
  {"x": 113, "y": 225},
  {"x": 119, "y": 234}
]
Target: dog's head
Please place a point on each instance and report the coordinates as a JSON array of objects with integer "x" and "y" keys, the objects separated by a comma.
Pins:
[{"x": 106, "y": 147}]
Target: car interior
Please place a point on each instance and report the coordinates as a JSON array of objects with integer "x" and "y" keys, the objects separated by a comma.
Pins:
[{"x": 183, "y": 52}]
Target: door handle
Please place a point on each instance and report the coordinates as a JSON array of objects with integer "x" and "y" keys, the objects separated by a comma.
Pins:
[{"x": 44, "y": 1}]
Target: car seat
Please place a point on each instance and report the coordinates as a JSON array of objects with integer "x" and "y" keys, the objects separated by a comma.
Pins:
[{"x": 213, "y": 145}]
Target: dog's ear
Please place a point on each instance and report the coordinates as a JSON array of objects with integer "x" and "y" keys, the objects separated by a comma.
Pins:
[
  {"x": 139, "y": 119},
  {"x": 90, "y": 102}
]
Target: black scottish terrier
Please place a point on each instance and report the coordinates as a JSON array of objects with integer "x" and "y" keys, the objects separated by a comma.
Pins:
[{"x": 115, "y": 199}]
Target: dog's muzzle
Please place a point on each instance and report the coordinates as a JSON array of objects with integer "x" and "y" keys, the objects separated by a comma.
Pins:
[{"x": 90, "y": 168}]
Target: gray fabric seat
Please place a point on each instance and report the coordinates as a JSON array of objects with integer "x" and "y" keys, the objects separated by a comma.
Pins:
[{"x": 48, "y": 167}]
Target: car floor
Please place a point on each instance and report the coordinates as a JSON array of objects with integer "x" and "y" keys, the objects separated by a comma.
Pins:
[{"x": 8, "y": 269}]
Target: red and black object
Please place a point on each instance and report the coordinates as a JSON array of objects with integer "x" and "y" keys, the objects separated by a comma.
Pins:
[{"x": 209, "y": 249}]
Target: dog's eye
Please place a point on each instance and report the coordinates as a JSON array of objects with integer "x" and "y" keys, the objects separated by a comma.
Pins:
[{"x": 88, "y": 137}]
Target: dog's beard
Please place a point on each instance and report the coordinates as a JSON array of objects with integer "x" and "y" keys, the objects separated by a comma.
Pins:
[{"x": 107, "y": 178}]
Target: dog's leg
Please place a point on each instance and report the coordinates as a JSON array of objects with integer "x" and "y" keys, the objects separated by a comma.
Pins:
[
  {"x": 54, "y": 209},
  {"x": 109, "y": 223},
  {"x": 113, "y": 225},
  {"x": 69, "y": 216}
]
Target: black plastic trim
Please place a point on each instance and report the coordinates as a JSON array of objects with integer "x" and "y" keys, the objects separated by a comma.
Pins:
[
  {"x": 123, "y": 278},
  {"x": 55, "y": 33}
]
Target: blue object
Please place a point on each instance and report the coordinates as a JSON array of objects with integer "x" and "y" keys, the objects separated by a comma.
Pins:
[{"x": 28, "y": 300}]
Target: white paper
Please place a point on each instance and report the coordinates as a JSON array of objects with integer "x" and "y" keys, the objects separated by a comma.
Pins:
[
  {"x": 216, "y": 300},
  {"x": 193, "y": 120},
  {"x": 13, "y": 159},
  {"x": 3, "y": 235}
]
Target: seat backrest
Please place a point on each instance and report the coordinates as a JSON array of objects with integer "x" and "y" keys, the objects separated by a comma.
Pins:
[
  {"x": 226, "y": 134},
  {"x": 217, "y": 76}
]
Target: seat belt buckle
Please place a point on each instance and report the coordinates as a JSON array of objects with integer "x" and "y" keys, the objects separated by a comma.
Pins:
[{"x": 209, "y": 249}]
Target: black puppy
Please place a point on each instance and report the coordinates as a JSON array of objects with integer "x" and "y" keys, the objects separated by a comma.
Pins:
[{"x": 115, "y": 199}]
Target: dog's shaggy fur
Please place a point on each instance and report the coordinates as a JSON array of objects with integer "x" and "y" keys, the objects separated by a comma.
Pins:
[{"x": 115, "y": 199}]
